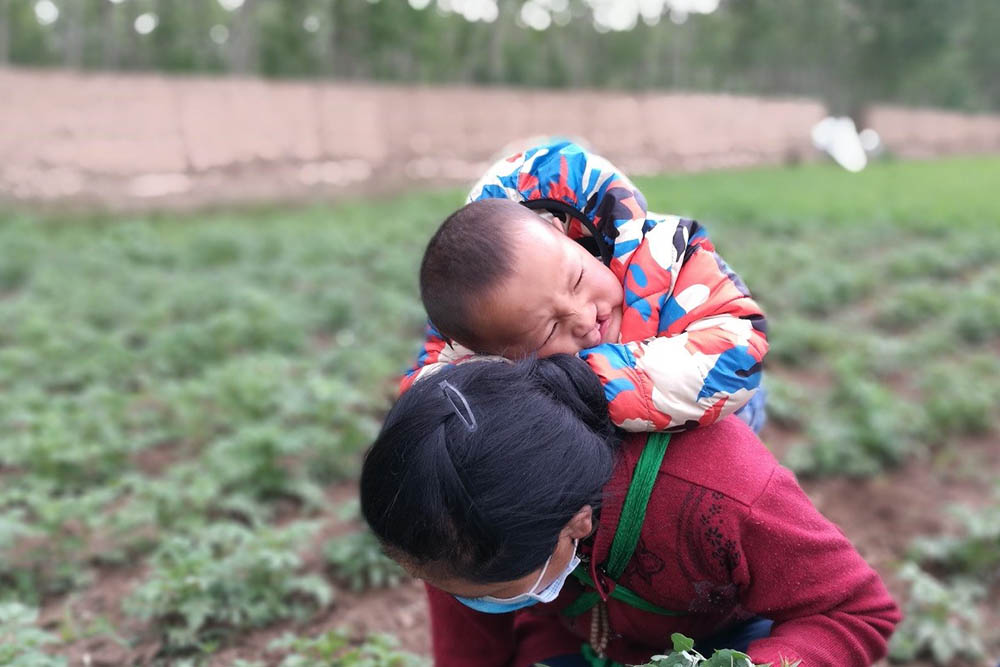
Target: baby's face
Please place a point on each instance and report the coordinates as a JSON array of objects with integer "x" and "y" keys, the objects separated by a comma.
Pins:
[{"x": 558, "y": 298}]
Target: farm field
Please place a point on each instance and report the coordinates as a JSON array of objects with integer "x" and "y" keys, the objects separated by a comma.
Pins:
[{"x": 184, "y": 400}]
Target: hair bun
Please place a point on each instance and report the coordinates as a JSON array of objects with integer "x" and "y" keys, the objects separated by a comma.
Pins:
[{"x": 570, "y": 381}]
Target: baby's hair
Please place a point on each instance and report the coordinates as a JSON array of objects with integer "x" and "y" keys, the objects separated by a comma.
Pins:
[
  {"x": 467, "y": 256},
  {"x": 480, "y": 487}
]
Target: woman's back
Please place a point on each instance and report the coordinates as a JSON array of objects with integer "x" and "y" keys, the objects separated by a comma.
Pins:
[{"x": 728, "y": 536}]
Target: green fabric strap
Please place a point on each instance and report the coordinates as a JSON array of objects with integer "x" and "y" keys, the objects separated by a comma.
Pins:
[
  {"x": 586, "y": 600},
  {"x": 594, "y": 660},
  {"x": 590, "y": 598},
  {"x": 627, "y": 533},
  {"x": 634, "y": 508}
]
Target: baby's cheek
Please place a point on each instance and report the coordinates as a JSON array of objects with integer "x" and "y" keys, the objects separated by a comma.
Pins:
[{"x": 612, "y": 288}]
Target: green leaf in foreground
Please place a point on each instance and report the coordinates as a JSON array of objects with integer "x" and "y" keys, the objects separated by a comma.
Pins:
[{"x": 684, "y": 655}]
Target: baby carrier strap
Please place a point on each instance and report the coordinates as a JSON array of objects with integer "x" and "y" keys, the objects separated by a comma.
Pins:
[
  {"x": 627, "y": 534},
  {"x": 596, "y": 243}
]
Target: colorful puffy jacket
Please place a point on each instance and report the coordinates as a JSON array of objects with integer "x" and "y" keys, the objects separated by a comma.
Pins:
[{"x": 692, "y": 337}]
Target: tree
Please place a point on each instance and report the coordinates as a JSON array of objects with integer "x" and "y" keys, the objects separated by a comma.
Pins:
[
  {"x": 849, "y": 52},
  {"x": 242, "y": 47},
  {"x": 4, "y": 31}
]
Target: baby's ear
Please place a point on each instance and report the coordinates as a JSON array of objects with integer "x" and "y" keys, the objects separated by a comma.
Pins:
[{"x": 555, "y": 220}]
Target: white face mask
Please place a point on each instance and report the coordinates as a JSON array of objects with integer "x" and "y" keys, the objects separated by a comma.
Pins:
[{"x": 492, "y": 605}]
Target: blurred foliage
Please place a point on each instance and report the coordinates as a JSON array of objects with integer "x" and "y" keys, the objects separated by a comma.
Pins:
[
  {"x": 973, "y": 550},
  {"x": 179, "y": 390},
  {"x": 174, "y": 392},
  {"x": 21, "y": 642},
  {"x": 336, "y": 649},
  {"x": 849, "y": 52},
  {"x": 941, "y": 619},
  {"x": 224, "y": 579},
  {"x": 357, "y": 561}
]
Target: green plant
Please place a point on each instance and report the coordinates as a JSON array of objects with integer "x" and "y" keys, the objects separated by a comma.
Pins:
[
  {"x": 787, "y": 403},
  {"x": 864, "y": 428},
  {"x": 940, "y": 621},
  {"x": 20, "y": 641},
  {"x": 977, "y": 316},
  {"x": 800, "y": 342},
  {"x": 336, "y": 649},
  {"x": 356, "y": 559},
  {"x": 684, "y": 655},
  {"x": 257, "y": 460},
  {"x": 48, "y": 534},
  {"x": 958, "y": 401},
  {"x": 975, "y": 551},
  {"x": 911, "y": 306},
  {"x": 837, "y": 285},
  {"x": 923, "y": 260},
  {"x": 224, "y": 579}
]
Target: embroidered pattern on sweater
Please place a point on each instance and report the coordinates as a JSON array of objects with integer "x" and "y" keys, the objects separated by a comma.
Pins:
[
  {"x": 701, "y": 519},
  {"x": 713, "y": 598},
  {"x": 724, "y": 549},
  {"x": 644, "y": 564}
]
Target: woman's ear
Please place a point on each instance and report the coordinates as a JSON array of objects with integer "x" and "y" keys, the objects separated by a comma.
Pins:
[{"x": 581, "y": 525}]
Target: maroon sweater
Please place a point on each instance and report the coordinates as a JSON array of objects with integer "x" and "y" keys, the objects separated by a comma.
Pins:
[{"x": 728, "y": 535}]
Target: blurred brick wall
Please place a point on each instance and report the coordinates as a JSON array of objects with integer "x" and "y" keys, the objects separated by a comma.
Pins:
[
  {"x": 134, "y": 140},
  {"x": 919, "y": 133}
]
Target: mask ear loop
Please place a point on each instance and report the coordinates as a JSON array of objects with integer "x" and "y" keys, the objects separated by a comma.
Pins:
[
  {"x": 450, "y": 392},
  {"x": 533, "y": 593},
  {"x": 534, "y": 587},
  {"x": 576, "y": 544}
]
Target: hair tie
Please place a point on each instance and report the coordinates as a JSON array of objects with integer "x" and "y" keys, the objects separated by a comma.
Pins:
[{"x": 450, "y": 392}]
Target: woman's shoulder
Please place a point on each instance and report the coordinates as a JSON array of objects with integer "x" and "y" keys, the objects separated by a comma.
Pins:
[{"x": 725, "y": 457}]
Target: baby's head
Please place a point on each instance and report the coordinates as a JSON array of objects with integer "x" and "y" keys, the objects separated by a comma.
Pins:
[{"x": 500, "y": 279}]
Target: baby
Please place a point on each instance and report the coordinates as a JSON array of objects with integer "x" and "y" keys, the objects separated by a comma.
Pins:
[{"x": 672, "y": 333}]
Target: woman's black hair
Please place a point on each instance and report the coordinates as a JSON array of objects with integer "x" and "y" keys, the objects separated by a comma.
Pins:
[{"x": 478, "y": 467}]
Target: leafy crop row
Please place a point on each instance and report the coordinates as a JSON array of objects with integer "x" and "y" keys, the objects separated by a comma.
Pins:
[
  {"x": 224, "y": 579},
  {"x": 949, "y": 577},
  {"x": 337, "y": 649},
  {"x": 180, "y": 395}
]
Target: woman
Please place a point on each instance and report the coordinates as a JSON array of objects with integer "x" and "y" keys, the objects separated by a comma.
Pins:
[{"x": 492, "y": 481}]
